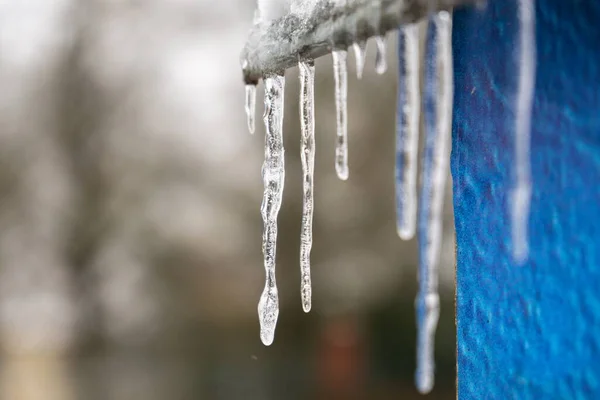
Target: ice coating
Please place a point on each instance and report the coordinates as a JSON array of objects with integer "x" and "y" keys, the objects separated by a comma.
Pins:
[
  {"x": 302, "y": 7},
  {"x": 340, "y": 72},
  {"x": 438, "y": 112},
  {"x": 360, "y": 54},
  {"x": 407, "y": 130},
  {"x": 380, "y": 58},
  {"x": 273, "y": 173},
  {"x": 521, "y": 194},
  {"x": 251, "y": 106},
  {"x": 307, "y": 156},
  {"x": 340, "y": 3}
]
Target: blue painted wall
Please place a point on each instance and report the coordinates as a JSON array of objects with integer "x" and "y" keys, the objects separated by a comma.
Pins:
[{"x": 530, "y": 331}]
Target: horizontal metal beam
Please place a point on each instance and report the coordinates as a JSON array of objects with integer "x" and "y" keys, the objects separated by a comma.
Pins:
[{"x": 279, "y": 44}]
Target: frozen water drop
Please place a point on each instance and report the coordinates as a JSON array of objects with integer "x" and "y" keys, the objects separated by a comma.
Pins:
[
  {"x": 251, "y": 106},
  {"x": 340, "y": 72},
  {"x": 268, "y": 311},
  {"x": 307, "y": 156},
  {"x": 380, "y": 58},
  {"x": 273, "y": 172}
]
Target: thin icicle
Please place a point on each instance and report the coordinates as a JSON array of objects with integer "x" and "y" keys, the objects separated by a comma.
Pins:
[
  {"x": 380, "y": 58},
  {"x": 251, "y": 106},
  {"x": 360, "y": 50},
  {"x": 273, "y": 173},
  {"x": 307, "y": 155},
  {"x": 521, "y": 196},
  {"x": 340, "y": 72},
  {"x": 407, "y": 130},
  {"x": 438, "y": 114}
]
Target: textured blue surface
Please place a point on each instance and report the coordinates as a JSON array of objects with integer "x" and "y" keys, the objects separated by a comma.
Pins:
[{"x": 530, "y": 331}]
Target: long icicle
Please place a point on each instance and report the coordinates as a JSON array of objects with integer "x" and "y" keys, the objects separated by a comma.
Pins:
[
  {"x": 521, "y": 195},
  {"x": 340, "y": 71},
  {"x": 407, "y": 130},
  {"x": 307, "y": 155},
  {"x": 251, "y": 106},
  {"x": 438, "y": 114},
  {"x": 273, "y": 173}
]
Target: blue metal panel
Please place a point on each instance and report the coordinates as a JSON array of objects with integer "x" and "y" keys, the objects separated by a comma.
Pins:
[{"x": 530, "y": 331}]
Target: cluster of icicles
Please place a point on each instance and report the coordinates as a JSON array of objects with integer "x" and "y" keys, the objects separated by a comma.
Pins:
[{"x": 435, "y": 102}]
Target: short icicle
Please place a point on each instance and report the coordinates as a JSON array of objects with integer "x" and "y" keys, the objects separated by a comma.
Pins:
[
  {"x": 380, "y": 58},
  {"x": 360, "y": 50},
  {"x": 251, "y": 106},
  {"x": 340, "y": 72},
  {"x": 521, "y": 193},
  {"x": 407, "y": 130},
  {"x": 307, "y": 155},
  {"x": 438, "y": 114},
  {"x": 273, "y": 173}
]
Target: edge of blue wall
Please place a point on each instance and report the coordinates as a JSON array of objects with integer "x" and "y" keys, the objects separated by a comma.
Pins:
[{"x": 528, "y": 331}]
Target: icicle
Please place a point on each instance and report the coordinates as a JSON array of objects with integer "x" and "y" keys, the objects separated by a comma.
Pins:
[
  {"x": 273, "y": 173},
  {"x": 407, "y": 130},
  {"x": 521, "y": 195},
  {"x": 359, "y": 54},
  {"x": 380, "y": 58},
  {"x": 438, "y": 113},
  {"x": 251, "y": 106},
  {"x": 341, "y": 93},
  {"x": 257, "y": 18},
  {"x": 307, "y": 155}
]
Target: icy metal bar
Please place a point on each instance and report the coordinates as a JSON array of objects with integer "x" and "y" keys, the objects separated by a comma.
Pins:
[{"x": 278, "y": 45}]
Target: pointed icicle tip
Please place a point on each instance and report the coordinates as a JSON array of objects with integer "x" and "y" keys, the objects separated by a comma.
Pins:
[
  {"x": 268, "y": 311},
  {"x": 425, "y": 384},
  {"x": 359, "y": 54},
  {"x": 520, "y": 208},
  {"x": 406, "y": 233}
]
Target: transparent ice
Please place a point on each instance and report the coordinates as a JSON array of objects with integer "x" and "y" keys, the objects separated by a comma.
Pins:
[
  {"x": 307, "y": 156},
  {"x": 340, "y": 72},
  {"x": 273, "y": 173}
]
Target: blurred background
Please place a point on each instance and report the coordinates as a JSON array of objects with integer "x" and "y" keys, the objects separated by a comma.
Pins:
[{"x": 130, "y": 227}]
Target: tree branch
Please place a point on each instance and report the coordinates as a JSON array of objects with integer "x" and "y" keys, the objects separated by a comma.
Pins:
[{"x": 279, "y": 44}]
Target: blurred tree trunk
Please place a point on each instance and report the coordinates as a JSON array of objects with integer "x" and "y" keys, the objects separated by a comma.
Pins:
[{"x": 38, "y": 311}]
